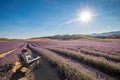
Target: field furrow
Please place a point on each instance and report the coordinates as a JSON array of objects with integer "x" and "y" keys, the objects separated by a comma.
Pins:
[
  {"x": 71, "y": 72},
  {"x": 104, "y": 66},
  {"x": 96, "y": 73}
]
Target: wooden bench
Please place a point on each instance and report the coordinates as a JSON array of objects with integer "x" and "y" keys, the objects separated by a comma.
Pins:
[{"x": 31, "y": 64}]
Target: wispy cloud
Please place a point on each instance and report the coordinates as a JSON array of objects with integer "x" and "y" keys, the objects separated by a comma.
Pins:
[{"x": 71, "y": 21}]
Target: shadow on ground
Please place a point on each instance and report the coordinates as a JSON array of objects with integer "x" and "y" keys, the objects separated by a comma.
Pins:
[
  {"x": 18, "y": 74},
  {"x": 45, "y": 72}
]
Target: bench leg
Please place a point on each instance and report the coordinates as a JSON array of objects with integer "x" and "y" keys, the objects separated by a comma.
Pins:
[{"x": 37, "y": 63}]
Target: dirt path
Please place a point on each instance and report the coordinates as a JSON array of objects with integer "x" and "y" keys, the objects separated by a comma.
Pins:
[{"x": 45, "y": 72}]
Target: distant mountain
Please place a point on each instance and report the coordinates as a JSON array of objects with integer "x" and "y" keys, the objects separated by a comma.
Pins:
[
  {"x": 106, "y": 33},
  {"x": 66, "y": 37},
  {"x": 7, "y": 39}
]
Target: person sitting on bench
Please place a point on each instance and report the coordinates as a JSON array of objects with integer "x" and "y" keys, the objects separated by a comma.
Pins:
[{"x": 28, "y": 56}]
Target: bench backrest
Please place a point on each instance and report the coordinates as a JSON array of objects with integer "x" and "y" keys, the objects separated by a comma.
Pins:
[{"x": 21, "y": 58}]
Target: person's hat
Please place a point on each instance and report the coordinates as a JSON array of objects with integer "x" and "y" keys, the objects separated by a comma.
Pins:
[{"x": 24, "y": 50}]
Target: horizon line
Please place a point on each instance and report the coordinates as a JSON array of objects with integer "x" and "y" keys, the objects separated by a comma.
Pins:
[{"x": 56, "y": 34}]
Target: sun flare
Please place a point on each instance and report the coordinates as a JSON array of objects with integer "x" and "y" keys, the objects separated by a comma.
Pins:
[{"x": 86, "y": 15}]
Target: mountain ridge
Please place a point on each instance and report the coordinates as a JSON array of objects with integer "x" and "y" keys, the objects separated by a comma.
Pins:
[{"x": 106, "y": 33}]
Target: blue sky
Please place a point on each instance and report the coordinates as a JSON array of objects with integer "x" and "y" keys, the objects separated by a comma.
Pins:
[{"x": 35, "y": 18}]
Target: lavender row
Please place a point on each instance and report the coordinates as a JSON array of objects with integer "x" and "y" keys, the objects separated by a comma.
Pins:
[
  {"x": 104, "y": 66},
  {"x": 107, "y": 56},
  {"x": 74, "y": 48},
  {"x": 97, "y": 74},
  {"x": 104, "y": 50},
  {"x": 111, "y": 47},
  {"x": 7, "y": 61},
  {"x": 95, "y": 53},
  {"x": 10, "y": 58},
  {"x": 71, "y": 72},
  {"x": 97, "y": 49},
  {"x": 6, "y": 46}
]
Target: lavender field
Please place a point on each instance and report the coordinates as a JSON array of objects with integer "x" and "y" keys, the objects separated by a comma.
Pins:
[
  {"x": 73, "y": 60},
  {"x": 82, "y": 60},
  {"x": 59, "y": 39},
  {"x": 7, "y": 60}
]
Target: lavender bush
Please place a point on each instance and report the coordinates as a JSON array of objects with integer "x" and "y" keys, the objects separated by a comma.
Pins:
[{"x": 104, "y": 66}]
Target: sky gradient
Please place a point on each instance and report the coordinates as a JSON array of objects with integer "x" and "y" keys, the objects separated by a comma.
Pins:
[{"x": 36, "y": 18}]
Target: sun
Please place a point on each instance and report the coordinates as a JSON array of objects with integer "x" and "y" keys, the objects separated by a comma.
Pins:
[{"x": 85, "y": 15}]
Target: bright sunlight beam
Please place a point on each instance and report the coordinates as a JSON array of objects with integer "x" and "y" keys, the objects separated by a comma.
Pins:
[{"x": 86, "y": 15}]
